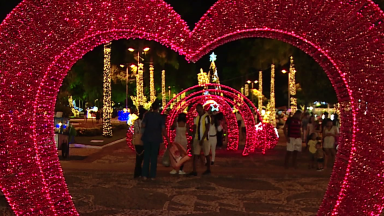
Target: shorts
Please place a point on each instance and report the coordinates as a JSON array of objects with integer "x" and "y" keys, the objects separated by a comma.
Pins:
[
  {"x": 320, "y": 160},
  {"x": 197, "y": 147},
  {"x": 295, "y": 144}
]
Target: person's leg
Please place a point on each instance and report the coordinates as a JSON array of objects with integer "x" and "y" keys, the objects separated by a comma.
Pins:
[
  {"x": 206, "y": 148},
  {"x": 147, "y": 149},
  {"x": 326, "y": 159},
  {"x": 154, "y": 153},
  {"x": 298, "y": 144},
  {"x": 196, "y": 149},
  {"x": 139, "y": 160},
  {"x": 288, "y": 154},
  {"x": 213, "y": 143},
  {"x": 333, "y": 155}
]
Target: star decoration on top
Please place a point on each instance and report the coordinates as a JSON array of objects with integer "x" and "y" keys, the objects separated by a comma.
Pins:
[{"x": 212, "y": 57}]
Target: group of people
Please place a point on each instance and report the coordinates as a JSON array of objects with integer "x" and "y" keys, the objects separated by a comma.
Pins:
[
  {"x": 319, "y": 138},
  {"x": 149, "y": 130}
]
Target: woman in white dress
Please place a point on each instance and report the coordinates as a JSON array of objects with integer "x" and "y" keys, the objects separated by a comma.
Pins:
[
  {"x": 181, "y": 138},
  {"x": 329, "y": 138},
  {"x": 214, "y": 127}
]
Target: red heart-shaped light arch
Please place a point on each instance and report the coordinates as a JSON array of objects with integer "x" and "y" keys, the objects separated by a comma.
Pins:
[{"x": 41, "y": 39}]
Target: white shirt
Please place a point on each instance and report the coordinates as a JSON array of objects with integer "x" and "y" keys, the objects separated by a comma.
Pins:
[{"x": 212, "y": 129}]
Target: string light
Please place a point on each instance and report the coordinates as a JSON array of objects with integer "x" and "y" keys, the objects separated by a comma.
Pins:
[
  {"x": 292, "y": 86},
  {"x": 163, "y": 94},
  {"x": 35, "y": 34},
  {"x": 202, "y": 77},
  {"x": 107, "y": 102},
  {"x": 140, "y": 84},
  {"x": 152, "y": 84},
  {"x": 242, "y": 104},
  {"x": 246, "y": 90},
  {"x": 272, "y": 110},
  {"x": 260, "y": 97}
]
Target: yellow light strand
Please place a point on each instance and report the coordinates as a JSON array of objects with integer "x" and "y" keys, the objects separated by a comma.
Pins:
[
  {"x": 272, "y": 99},
  {"x": 292, "y": 86},
  {"x": 260, "y": 102},
  {"x": 152, "y": 84},
  {"x": 246, "y": 90},
  {"x": 164, "y": 99},
  {"x": 107, "y": 104},
  {"x": 140, "y": 85}
]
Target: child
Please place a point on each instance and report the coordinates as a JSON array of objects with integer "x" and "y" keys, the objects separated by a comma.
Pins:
[
  {"x": 320, "y": 157},
  {"x": 311, "y": 145},
  {"x": 181, "y": 128}
]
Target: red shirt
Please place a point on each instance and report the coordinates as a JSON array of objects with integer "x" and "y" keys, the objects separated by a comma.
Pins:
[{"x": 294, "y": 128}]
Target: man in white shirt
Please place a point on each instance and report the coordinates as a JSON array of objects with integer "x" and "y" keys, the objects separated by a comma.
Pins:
[{"x": 200, "y": 139}]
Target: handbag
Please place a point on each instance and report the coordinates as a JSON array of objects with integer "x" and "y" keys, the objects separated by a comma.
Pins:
[{"x": 166, "y": 160}]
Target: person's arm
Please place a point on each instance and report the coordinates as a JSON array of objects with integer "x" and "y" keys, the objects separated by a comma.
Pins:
[
  {"x": 219, "y": 128},
  {"x": 206, "y": 130},
  {"x": 285, "y": 129},
  {"x": 164, "y": 130}
]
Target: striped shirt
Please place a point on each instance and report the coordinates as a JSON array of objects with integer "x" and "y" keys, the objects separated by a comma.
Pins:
[{"x": 294, "y": 127}]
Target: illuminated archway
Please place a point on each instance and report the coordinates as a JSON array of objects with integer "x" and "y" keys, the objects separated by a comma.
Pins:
[
  {"x": 239, "y": 102},
  {"x": 233, "y": 131},
  {"x": 41, "y": 40}
]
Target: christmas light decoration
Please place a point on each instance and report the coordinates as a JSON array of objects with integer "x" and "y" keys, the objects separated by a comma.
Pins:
[
  {"x": 202, "y": 77},
  {"x": 152, "y": 84},
  {"x": 344, "y": 37},
  {"x": 246, "y": 90},
  {"x": 272, "y": 106},
  {"x": 107, "y": 103},
  {"x": 260, "y": 97},
  {"x": 140, "y": 84},
  {"x": 241, "y": 103},
  {"x": 163, "y": 96},
  {"x": 292, "y": 86}
]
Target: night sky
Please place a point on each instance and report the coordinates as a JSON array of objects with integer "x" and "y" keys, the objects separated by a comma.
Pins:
[{"x": 191, "y": 11}]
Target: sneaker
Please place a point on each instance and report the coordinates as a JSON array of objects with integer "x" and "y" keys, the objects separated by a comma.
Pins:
[
  {"x": 173, "y": 172},
  {"x": 319, "y": 170},
  {"x": 192, "y": 174},
  {"x": 207, "y": 172},
  {"x": 181, "y": 172}
]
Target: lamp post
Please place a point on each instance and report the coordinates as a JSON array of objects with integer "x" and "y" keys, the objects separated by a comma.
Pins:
[
  {"x": 289, "y": 92},
  {"x": 254, "y": 82},
  {"x": 126, "y": 84},
  {"x": 139, "y": 79}
]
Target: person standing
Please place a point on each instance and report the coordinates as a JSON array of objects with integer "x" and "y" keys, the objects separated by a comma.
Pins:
[
  {"x": 200, "y": 140},
  {"x": 304, "y": 124},
  {"x": 292, "y": 132},
  {"x": 239, "y": 121},
  {"x": 214, "y": 129},
  {"x": 153, "y": 125},
  {"x": 329, "y": 137},
  {"x": 181, "y": 137},
  {"x": 139, "y": 149}
]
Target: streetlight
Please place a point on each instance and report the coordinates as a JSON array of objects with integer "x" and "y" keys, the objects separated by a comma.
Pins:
[
  {"x": 254, "y": 82},
  {"x": 126, "y": 85},
  {"x": 139, "y": 80},
  {"x": 289, "y": 91}
]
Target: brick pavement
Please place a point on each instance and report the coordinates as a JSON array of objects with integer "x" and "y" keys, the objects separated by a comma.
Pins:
[{"x": 101, "y": 183}]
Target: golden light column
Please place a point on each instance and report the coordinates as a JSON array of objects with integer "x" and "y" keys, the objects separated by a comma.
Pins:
[
  {"x": 140, "y": 84},
  {"x": 272, "y": 98},
  {"x": 152, "y": 84},
  {"x": 164, "y": 98},
  {"x": 260, "y": 102},
  {"x": 246, "y": 90},
  {"x": 292, "y": 86},
  {"x": 202, "y": 77},
  {"x": 107, "y": 105}
]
